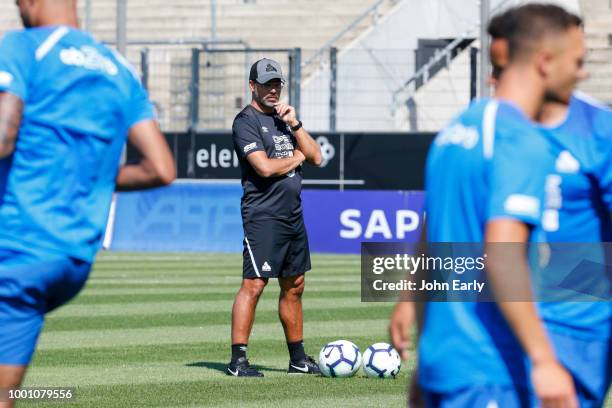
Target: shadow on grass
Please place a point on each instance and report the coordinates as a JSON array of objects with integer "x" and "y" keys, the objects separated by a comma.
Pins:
[{"x": 221, "y": 366}]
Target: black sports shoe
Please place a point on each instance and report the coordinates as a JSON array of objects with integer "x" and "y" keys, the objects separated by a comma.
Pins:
[
  {"x": 242, "y": 368},
  {"x": 306, "y": 365}
]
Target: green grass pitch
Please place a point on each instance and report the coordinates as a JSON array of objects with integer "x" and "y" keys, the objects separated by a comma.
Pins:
[{"x": 152, "y": 330}]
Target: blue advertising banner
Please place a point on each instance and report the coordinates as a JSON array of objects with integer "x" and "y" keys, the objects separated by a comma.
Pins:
[
  {"x": 181, "y": 217},
  {"x": 206, "y": 218},
  {"x": 339, "y": 221}
]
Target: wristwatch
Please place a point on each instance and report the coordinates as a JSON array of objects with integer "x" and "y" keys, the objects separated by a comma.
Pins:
[{"x": 296, "y": 127}]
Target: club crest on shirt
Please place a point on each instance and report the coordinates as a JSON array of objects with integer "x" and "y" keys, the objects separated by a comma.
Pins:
[
  {"x": 566, "y": 163},
  {"x": 6, "y": 78}
]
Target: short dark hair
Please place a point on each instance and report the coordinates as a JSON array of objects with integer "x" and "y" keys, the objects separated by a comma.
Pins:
[
  {"x": 525, "y": 25},
  {"x": 501, "y": 25}
]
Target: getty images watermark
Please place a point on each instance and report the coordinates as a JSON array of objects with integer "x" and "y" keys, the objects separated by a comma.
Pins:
[
  {"x": 410, "y": 265},
  {"x": 461, "y": 272}
]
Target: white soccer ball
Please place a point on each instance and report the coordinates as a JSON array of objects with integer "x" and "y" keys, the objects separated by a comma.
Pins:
[
  {"x": 381, "y": 360},
  {"x": 340, "y": 358}
]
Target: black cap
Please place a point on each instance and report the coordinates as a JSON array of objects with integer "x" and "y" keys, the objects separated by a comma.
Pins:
[{"x": 265, "y": 70}]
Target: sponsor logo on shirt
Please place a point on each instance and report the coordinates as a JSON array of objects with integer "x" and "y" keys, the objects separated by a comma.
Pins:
[
  {"x": 566, "y": 163},
  {"x": 283, "y": 154},
  {"x": 264, "y": 129},
  {"x": 6, "y": 78},
  {"x": 554, "y": 201},
  {"x": 282, "y": 143},
  {"x": 88, "y": 58},
  {"x": 458, "y": 135},
  {"x": 250, "y": 147}
]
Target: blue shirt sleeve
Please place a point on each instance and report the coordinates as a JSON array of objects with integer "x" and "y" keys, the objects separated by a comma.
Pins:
[
  {"x": 140, "y": 107},
  {"x": 520, "y": 164},
  {"x": 17, "y": 60}
]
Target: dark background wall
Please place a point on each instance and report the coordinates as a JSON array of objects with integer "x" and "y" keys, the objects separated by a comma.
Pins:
[{"x": 371, "y": 161}]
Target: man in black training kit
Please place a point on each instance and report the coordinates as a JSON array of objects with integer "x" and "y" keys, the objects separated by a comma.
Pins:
[{"x": 271, "y": 144}]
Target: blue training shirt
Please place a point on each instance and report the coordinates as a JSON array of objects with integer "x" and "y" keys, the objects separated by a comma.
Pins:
[
  {"x": 80, "y": 98},
  {"x": 491, "y": 162},
  {"x": 578, "y": 205}
]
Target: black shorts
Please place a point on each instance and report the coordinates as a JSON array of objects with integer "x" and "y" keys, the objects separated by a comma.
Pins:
[{"x": 275, "y": 248}]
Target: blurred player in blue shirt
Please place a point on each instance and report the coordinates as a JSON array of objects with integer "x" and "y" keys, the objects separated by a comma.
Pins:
[
  {"x": 490, "y": 187},
  {"x": 67, "y": 104},
  {"x": 578, "y": 206},
  {"x": 577, "y": 211}
]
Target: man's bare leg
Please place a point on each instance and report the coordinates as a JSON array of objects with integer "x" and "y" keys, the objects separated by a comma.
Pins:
[
  {"x": 243, "y": 311},
  {"x": 10, "y": 378},
  {"x": 243, "y": 316},
  {"x": 292, "y": 318},
  {"x": 290, "y": 307}
]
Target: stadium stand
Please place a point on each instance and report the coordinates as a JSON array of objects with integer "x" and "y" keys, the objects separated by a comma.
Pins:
[
  {"x": 259, "y": 23},
  {"x": 598, "y": 29},
  {"x": 372, "y": 49},
  {"x": 262, "y": 23},
  {"x": 438, "y": 100}
]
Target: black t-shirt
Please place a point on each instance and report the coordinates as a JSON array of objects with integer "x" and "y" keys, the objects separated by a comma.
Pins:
[{"x": 271, "y": 197}]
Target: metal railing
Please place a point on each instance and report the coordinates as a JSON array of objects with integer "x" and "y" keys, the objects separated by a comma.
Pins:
[
  {"x": 197, "y": 85},
  {"x": 423, "y": 74},
  {"x": 203, "y": 41},
  {"x": 372, "y": 10},
  {"x": 199, "y": 89},
  {"x": 222, "y": 83}
]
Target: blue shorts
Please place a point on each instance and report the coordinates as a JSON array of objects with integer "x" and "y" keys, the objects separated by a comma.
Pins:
[
  {"x": 589, "y": 363},
  {"x": 479, "y": 396},
  {"x": 31, "y": 286}
]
